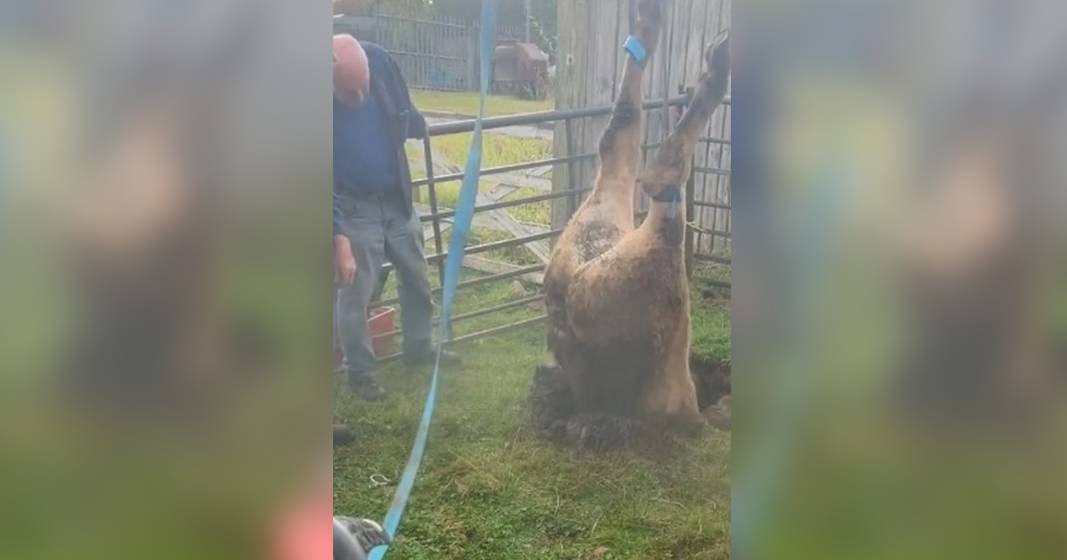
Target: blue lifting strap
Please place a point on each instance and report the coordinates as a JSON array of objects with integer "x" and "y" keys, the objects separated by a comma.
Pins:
[{"x": 461, "y": 227}]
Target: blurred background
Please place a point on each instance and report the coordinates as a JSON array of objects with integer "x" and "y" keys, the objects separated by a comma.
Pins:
[
  {"x": 899, "y": 291},
  {"x": 165, "y": 342},
  {"x": 900, "y": 279}
]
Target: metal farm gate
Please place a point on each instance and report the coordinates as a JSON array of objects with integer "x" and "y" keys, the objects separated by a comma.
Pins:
[{"x": 438, "y": 219}]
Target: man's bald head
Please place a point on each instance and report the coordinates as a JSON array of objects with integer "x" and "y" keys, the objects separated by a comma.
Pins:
[{"x": 351, "y": 70}]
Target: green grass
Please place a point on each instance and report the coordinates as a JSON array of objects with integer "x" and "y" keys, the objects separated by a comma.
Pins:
[
  {"x": 466, "y": 103},
  {"x": 710, "y": 338},
  {"x": 531, "y": 213},
  {"x": 490, "y": 490}
]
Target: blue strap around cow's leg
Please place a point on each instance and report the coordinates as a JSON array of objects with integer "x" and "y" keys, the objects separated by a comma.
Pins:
[{"x": 636, "y": 49}]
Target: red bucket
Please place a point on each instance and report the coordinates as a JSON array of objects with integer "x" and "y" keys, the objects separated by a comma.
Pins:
[{"x": 382, "y": 322}]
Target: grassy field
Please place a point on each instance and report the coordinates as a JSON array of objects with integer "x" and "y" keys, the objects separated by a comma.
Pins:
[
  {"x": 490, "y": 490},
  {"x": 466, "y": 103}
]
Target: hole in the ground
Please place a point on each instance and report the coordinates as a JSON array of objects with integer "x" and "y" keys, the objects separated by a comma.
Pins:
[
  {"x": 712, "y": 378},
  {"x": 552, "y": 407}
]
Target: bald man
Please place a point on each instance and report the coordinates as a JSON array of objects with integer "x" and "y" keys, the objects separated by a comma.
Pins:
[{"x": 373, "y": 217}]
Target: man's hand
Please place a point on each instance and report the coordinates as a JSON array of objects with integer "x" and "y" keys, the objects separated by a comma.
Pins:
[{"x": 344, "y": 262}]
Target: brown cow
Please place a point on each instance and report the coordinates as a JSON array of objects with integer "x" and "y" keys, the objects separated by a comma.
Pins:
[
  {"x": 607, "y": 213},
  {"x": 622, "y": 334}
]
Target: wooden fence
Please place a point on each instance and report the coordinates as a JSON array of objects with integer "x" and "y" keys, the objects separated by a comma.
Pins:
[{"x": 439, "y": 53}]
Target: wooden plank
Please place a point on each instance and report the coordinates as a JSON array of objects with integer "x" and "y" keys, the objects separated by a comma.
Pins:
[
  {"x": 586, "y": 128},
  {"x": 567, "y": 78}
]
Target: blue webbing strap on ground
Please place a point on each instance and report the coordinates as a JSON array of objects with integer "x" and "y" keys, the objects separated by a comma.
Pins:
[{"x": 460, "y": 228}]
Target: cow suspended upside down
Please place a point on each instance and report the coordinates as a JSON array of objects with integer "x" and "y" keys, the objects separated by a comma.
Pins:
[{"x": 618, "y": 297}]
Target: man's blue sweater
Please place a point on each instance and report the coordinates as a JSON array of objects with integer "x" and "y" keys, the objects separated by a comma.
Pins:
[{"x": 368, "y": 141}]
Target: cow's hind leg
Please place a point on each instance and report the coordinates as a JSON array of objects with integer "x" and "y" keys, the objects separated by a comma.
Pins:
[
  {"x": 674, "y": 159},
  {"x": 670, "y": 398},
  {"x": 620, "y": 146}
]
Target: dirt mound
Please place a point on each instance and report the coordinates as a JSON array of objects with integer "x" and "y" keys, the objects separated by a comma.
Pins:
[
  {"x": 551, "y": 402},
  {"x": 554, "y": 417}
]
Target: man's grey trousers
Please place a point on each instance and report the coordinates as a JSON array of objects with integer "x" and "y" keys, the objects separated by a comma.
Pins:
[{"x": 380, "y": 228}]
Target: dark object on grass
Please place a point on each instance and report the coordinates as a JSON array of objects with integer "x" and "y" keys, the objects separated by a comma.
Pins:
[
  {"x": 366, "y": 386},
  {"x": 353, "y": 538},
  {"x": 342, "y": 435}
]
